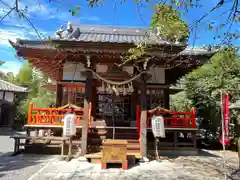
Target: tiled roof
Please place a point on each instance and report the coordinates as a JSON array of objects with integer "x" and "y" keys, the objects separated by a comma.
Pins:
[
  {"x": 7, "y": 86},
  {"x": 113, "y": 34},
  {"x": 198, "y": 51}
]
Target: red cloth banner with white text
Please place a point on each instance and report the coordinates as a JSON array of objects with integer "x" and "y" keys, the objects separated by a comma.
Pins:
[{"x": 226, "y": 119}]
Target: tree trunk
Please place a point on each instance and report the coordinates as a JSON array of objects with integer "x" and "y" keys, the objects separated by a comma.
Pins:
[
  {"x": 238, "y": 144},
  {"x": 238, "y": 139}
]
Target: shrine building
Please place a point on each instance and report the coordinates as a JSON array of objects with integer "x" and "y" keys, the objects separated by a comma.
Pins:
[{"x": 114, "y": 98}]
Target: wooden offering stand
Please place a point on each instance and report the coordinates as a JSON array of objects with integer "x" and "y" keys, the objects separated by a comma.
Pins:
[{"x": 114, "y": 151}]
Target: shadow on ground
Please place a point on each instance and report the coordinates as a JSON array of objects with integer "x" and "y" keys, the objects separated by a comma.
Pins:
[
  {"x": 175, "y": 155},
  {"x": 10, "y": 163},
  {"x": 10, "y": 133}
]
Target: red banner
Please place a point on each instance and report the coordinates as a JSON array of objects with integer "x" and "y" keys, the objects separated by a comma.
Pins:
[{"x": 226, "y": 119}]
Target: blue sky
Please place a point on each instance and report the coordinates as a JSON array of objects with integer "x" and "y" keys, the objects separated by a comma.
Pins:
[{"x": 48, "y": 17}]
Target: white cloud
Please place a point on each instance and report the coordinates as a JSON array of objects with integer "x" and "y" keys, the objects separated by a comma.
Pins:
[
  {"x": 40, "y": 10},
  {"x": 11, "y": 66},
  {"x": 6, "y": 35},
  {"x": 18, "y": 32},
  {"x": 16, "y": 27},
  {"x": 43, "y": 9}
]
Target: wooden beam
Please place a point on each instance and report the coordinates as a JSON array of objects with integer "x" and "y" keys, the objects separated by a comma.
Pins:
[
  {"x": 87, "y": 101},
  {"x": 72, "y": 84},
  {"x": 143, "y": 120},
  {"x": 60, "y": 74}
]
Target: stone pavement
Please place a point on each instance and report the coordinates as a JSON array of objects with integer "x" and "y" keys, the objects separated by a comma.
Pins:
[
  {"x": 23, "y": 166},
  {"x": 182, "y": 168},
  {"x": 19, "y": 167}
]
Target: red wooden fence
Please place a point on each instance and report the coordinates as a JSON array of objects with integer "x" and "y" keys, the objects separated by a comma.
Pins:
[
  {"x": 50, "y": 116},
  {"x": 176, "y": 119}
]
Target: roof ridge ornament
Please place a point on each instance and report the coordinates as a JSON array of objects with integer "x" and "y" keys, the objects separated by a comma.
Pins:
[
  {"x": 69, "y": 28},
  {"x": 59, "y": 32}
]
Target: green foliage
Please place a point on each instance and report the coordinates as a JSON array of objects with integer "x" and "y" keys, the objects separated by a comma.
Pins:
[
  {"x": 172, "y": 28},
  {"x": 136, "y": 53},
  {"x": 38, "y": 95},
  {"x": 75, "y": 11},
  {"x": 168, "y": 21},
  {"x": 179, "y": 102},
  {"x": 10, "y": 77},
  {"x": 204, "y": 84},
  {"x": 227, "y": 18},
  {"x": 25, "y": 75}
]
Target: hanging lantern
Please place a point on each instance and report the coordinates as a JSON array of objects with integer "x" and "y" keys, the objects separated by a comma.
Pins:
[{"x": 158, "y": 126}]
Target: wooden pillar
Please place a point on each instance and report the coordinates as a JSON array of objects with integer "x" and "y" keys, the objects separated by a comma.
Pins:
[
  {"x": 94, "y": 93},
  {"x": 87, "y": 101},
  {"x": 59, "y": 93},
  {"x": 143, "y": 121},
  {"x": 238, "y": 139},
  {"x": 138, "y": 118},
  {"x": 30, "y": 108},
  {"x": 166, "y": 98},
  {"x": 134, "y": 103}
]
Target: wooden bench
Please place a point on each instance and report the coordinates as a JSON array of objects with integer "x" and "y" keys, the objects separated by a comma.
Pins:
[{"x": 18, "y": 144}]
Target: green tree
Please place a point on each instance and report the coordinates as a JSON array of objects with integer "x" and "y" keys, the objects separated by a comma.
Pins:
[
  {"x": 167, "y": 20},
  {"x": 2, "y": 74},
  {"x": 179, "y": 102},
  {"x": 223, "y": 28},
  {"x": 38, "y": 95},
  {"x": 204, "y": 84},
  {"x": 228, "y": 17}
]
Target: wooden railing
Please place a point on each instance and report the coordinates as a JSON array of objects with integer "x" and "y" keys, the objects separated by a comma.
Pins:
[
  {"x": 179, "y": 120},
  {"x": 50, "y": 116},
  {"x": 173, "y": 120}
]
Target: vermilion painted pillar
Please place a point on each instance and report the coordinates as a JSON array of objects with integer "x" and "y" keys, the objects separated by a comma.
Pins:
[{"x": 194, "y": 118}]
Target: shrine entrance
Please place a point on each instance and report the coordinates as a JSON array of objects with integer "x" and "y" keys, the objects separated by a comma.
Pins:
[{"x": 115, "y": 110}]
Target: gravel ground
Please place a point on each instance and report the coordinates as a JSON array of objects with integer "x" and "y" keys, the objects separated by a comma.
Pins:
[{"x": 205, "y": 167}]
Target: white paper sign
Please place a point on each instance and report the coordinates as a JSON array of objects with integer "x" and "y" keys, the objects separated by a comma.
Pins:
[
  {"x": 158, "y": 126},
  {"x": 69, "y": 126}
]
